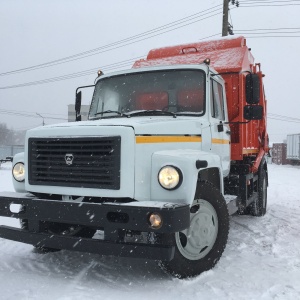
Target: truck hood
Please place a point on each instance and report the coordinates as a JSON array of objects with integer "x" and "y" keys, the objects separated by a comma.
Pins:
[{"x": 141, "y": 125}]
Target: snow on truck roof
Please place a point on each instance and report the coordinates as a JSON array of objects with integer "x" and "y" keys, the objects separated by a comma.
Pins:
[{"x": 226, "y": 55}]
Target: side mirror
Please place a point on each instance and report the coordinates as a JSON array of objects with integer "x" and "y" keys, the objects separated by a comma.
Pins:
[
  {"x": 252, "y": 89},
  {"x": 78, "y": 106},
  {"x": 253, "y": 112}
]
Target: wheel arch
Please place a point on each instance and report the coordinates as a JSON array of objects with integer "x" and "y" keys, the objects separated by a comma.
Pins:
[
  {"x": 212, "y": 175},
  {"x": 264, "y": 166}
]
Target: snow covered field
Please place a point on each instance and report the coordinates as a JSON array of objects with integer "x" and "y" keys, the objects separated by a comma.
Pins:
[{"x": 261, "y": 261}]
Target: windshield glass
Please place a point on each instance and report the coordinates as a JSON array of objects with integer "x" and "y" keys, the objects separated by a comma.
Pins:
[{"x": 176, "y": 91}]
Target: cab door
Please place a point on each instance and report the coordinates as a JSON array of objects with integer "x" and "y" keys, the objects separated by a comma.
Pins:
[{"x": 220, "y": 132}]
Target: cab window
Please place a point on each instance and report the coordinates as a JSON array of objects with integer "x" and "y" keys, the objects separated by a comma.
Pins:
[{"x": 217, "y": 101}]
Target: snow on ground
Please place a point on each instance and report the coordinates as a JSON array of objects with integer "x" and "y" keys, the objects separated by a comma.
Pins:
[{"x": 261, "y": 261}]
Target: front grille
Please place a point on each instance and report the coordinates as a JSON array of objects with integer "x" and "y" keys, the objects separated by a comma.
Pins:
[{"x": 75, "y": 162}]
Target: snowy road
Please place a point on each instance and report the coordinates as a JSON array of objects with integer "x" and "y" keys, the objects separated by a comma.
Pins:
[{"x": 261, "y": 261}]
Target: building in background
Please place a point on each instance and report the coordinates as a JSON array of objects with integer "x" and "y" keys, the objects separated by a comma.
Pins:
[
  {"x": 84, "y": 112},
  {"x": 279, "y": 154},
  {"x": 293, "y": 148}
]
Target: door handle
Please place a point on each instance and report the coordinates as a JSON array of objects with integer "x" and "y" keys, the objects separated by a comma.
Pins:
[{"x": 228, "y": 132}]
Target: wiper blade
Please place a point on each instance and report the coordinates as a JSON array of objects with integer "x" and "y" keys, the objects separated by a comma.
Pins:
[
  {"x": 107, "y": 112},
  {"x": 189, "y": 113},
  {"x": 111, "y": 111},
  {"x": 151, "y": 112}
]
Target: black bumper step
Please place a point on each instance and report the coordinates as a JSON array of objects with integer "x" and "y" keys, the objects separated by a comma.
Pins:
[{"x": 134, "y": 250}]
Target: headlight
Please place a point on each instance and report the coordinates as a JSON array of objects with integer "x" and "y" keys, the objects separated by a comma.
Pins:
[
  {"x": 170, "y": 177},
  {"x": 19, "y": 172}
]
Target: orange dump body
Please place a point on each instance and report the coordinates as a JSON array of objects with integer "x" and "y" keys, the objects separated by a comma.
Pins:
[{"x": 233, "y": 60}]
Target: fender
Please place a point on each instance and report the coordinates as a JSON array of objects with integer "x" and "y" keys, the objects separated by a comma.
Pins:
[{"x": 185, "y": 160}]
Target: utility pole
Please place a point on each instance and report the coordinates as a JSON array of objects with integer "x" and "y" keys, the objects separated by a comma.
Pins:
[{"x": 225, "y": 17}]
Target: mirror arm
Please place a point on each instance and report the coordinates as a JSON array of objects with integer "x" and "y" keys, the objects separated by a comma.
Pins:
[{"x": 85, "y": 86}]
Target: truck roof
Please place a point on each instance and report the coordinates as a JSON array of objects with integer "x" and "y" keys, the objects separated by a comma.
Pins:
[{"x": 226, "y": 55}]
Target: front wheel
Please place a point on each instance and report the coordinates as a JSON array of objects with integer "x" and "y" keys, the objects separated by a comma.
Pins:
[{"x": 199, "y": 248}]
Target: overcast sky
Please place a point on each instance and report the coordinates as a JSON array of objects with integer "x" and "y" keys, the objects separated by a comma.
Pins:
[{"x": 38, "y": 32}]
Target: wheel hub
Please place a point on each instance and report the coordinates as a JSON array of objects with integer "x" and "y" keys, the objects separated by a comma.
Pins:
[{"x": 200, "y": 237}]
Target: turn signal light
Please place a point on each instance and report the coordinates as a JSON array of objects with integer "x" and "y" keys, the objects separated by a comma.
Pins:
[{"x": 155, "y": 220}]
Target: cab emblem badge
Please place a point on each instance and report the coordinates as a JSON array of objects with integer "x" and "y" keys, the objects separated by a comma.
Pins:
[{"x": 69, "y": 159}]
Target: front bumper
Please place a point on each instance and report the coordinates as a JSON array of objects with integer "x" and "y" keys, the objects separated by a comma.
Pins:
[{"x": 113, "y": 218}]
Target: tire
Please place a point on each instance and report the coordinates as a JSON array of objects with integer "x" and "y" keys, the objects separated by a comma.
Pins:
[
  {"x": 199, "y": 248},
  {"x": 259, "y": 207},
  {"x": 61, "y": 229}
]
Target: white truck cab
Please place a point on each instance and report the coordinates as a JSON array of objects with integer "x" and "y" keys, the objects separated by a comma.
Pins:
[{"x": 161, "y": 116}]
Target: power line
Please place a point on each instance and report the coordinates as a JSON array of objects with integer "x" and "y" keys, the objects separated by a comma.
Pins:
[
  {"x": 81, "y": 73},
  {"x": 266, "y": 1},
  {"x": 216, "y": 34},
  {"x": 76, "y": 74},
  {"x": 125, "y": 41},
  {"x": 252, "y": 3},
  {"x": 268, "y": 5},
  {"x": 273, "y": 36},
  {"x": 161, "y": 28},
  {"x": 270, "y": 32},
  {"x": 30, "y": 112},
  {"x": 28, "y": 115},
  {"x": 108, "y": 67},
  {"x": 113, "y": 66},
  {"x": 283, "y": 118},
  {"x": 264, "y": 33},
  {"x": 273, "y": 29}
]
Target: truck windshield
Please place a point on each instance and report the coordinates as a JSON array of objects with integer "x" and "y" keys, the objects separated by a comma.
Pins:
[{"x": 181, "y": 92}]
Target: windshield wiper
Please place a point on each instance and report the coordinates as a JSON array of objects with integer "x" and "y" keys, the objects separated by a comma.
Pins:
[
  {"x": 111, "y": 111},
  {"x": 189, "y": 113},
  {"x": 151, "y": 112}
]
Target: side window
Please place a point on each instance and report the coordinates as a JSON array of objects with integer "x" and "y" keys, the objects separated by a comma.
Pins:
[{"x": 217, "y": 101}]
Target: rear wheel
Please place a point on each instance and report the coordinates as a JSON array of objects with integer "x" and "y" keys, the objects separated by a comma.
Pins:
[
  {"x": 259, "y": 207},
  {"x": 198, "y": 248}
]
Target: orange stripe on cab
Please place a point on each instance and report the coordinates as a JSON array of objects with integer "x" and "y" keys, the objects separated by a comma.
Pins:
[
  {"x": 167, "y": 139},
  {"x": 220, "y": 141}
]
